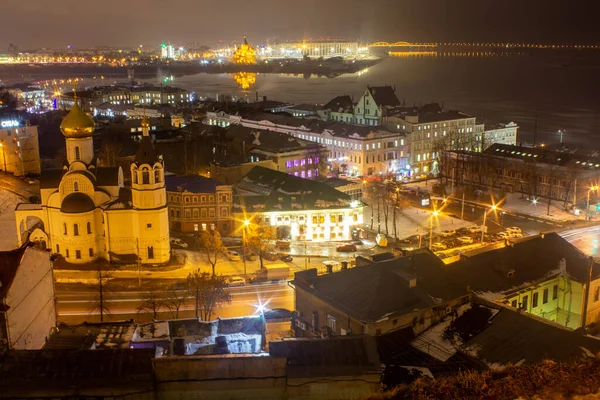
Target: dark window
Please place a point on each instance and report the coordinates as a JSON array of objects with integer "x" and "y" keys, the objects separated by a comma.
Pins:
[
  {"x": 145, "y": 177},
  {"x": 545, "y": 296},
  {"x": 76, "y": 186},
  {"x": 64, "y": 228},
  {"x": 77, "y": 153},
  {"x": 315, "y": 320},
  {"x": 150, "y": 252},
  {"x": 91, "y": 252},
  {"x": 67, "y": 253},
  {"x": 525, "y": 302},
  {"x": 78, "y": 254},
  {"x": 534, "y": 300},
  {"x": 75, "y": 230},
  {"x": 89, "y": 227},
  {"x": 514, "y": 304},
  {"x": 57, "y": 248},
  {"x": 156, "y": 176},
  {"x": 597, "y": 293},
  {"x": 555, "y": 292},
  {"x": 148, "y": 225}
]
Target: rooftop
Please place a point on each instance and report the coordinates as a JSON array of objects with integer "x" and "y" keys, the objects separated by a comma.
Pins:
[
  {"x": 92, "y": 336},
  {"x": 384, "y": 96},
  {"x": 384, "y": 289},
  {"x": 276, "y": 191}
]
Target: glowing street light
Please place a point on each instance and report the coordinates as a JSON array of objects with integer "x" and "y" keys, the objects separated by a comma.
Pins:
[
  {"x": 485, "y": 213},
  {"x": 435, "y": 213}
]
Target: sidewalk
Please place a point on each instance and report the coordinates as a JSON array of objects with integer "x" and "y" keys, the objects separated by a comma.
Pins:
[
  {"x": 411, "y": 221},
  {"x": 513, "y": 203}
]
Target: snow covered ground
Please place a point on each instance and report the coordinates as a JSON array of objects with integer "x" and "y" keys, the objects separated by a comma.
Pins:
[{"x": 8, "y": 233}]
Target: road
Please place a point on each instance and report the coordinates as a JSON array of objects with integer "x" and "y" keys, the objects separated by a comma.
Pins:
[
  {"x": 74, "y": 307},
  {"x": 587, "y": 239}
]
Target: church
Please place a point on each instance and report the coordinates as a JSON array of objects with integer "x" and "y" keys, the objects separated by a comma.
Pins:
[{"x": 87, "y": 214}]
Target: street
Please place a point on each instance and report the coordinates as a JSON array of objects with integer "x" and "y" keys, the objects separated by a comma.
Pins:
[{"x": 74, "y": 307}]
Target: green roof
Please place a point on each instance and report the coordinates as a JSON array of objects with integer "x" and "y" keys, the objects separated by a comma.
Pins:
[{"x": 264, "y": 189}]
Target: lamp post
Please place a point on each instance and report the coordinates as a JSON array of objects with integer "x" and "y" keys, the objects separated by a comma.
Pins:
[
  {"x": 483, "y": 227},
  {"x": 433, "y": 214},
  {"x": 587, "y": 210},
  {"x": 4, "y": 156},
  {"x": 246, "y": 224}
]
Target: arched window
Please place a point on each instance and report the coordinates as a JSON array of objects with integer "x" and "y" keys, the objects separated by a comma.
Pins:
[
  {"x": 134, "y": 175},
  {"x": 76, "y": 186},
  {"x": 89, "y": 227},
  {"x": 145, "y": 176},
  {"x": 77, "y": 153},
  {"x": 75, "y": 230},
  {"x": 156, "y": 175},
  {"x": 64, "y": 228}
]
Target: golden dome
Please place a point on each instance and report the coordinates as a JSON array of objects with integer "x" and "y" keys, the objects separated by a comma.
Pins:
[{"x": 77, "y": 124}]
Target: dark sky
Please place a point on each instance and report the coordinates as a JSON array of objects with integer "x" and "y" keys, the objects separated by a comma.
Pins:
[{"x": 56, "y": 23}]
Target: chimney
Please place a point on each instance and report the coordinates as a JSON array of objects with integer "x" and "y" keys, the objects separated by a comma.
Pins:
[{"x": 330, "y": 269}]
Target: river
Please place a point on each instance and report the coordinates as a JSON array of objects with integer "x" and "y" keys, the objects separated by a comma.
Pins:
[{"x": 562, "y": 88}]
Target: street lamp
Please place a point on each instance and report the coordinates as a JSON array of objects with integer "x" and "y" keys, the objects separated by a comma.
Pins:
[
  {"x": 485, "y": 213},
  {"x": 588, "y": 198},
  {"x": 4, "y": 156},
  {"x": 435, "y": 213}
]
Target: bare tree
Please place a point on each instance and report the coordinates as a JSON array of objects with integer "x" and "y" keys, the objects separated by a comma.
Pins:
[
  {"x": 174, "y": 299},
  {"x": 102, "y": 291},
  {"x": 152, "y": 302},
  {"x": 211, "y": 246},
  {"x": 208, "y": 291},
  {"x": 257, "y": 241},
  {"x": 110, "y": 151}
]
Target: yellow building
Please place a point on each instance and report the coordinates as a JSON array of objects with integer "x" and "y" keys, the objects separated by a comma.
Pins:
[{"x": 86, "y": 214}]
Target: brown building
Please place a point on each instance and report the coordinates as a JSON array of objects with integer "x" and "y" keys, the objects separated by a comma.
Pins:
[
  {"x": 558, "y": 173},
  {"x": 197, "y": 204},
  {"x": 413, "y": 291}
]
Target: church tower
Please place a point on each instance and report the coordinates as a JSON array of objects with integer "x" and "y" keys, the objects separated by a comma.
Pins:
[
  {"x": 148, "y": 175},
  {"x": 149, "y": 200},
  {"x": 78, "y": 129}
]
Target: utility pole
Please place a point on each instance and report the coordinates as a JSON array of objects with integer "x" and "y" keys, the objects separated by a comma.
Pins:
[
  {"x": 462, "y": 209},
  {"x": 139, "y": 260}
]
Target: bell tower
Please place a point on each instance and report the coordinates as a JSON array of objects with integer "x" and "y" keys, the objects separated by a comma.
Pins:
[{"x": 148, "y": 174}]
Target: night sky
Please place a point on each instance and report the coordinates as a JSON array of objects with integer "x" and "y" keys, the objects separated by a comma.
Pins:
[{"x": 56, "y": 23}]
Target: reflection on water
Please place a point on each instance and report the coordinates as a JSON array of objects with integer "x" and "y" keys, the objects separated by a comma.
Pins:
[
  {"x": 452, "y": 54},
  {"x": 245, "y": 80}
]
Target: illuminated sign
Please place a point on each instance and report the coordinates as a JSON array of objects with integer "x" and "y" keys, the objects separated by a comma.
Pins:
[{"x": 11, "y": 123}]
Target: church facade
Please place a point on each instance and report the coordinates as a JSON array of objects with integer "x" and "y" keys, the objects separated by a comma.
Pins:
[{"x": 87, "y": 214}]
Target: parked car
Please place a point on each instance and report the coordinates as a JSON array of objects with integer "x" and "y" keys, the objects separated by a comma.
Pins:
[
  {"x": 516, "y": 235},
  {"x": 465, "y": 239},
  {"x": 250, "y": 257},
  {"x": 438, "y": 246},
  {"x": 411, "y": 239},
  {"x": 451, "y": 242},
  {"x": 233, "y": 255},
  {"x": 348, "y": 247},
  {"x": 286, "y": 258},
  {"x": 278, "y": 313},
  {"x": 271, "y": 256},
  {"x": 448, "y": 233},
  {"x": 475, "y": 229},
  {"x": 513, "y": 229},
  {"x": 441, "y": 255},
  {"x": 503, "y": 235},
  {"x": 457, "y": 253},
  {"x": 462, "y": 231},
  {"x": 176, "y": 242},
  {"x": 236, "y": 281},
  {"x": 490, "y": 238}
]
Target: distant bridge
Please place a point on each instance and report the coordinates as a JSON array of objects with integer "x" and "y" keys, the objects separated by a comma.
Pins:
[{"x": 402, "y": 44}]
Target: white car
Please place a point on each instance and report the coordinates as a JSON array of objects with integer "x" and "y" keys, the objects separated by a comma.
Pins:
[
  {"x": 438, "y": 246},
  {"x": 176, "y": 242},
  {"x": 474, "y": 229},
  {"x": 465, "y": 240},
  {"x": 513, "y": 229},
  {"x": 503, "y": 235},
  {"x": 516, "y": 235},
  {"x": 448, "y": 233},
  {"x": 233, "y": 255},
  {"x": 236, "y": 281}
]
